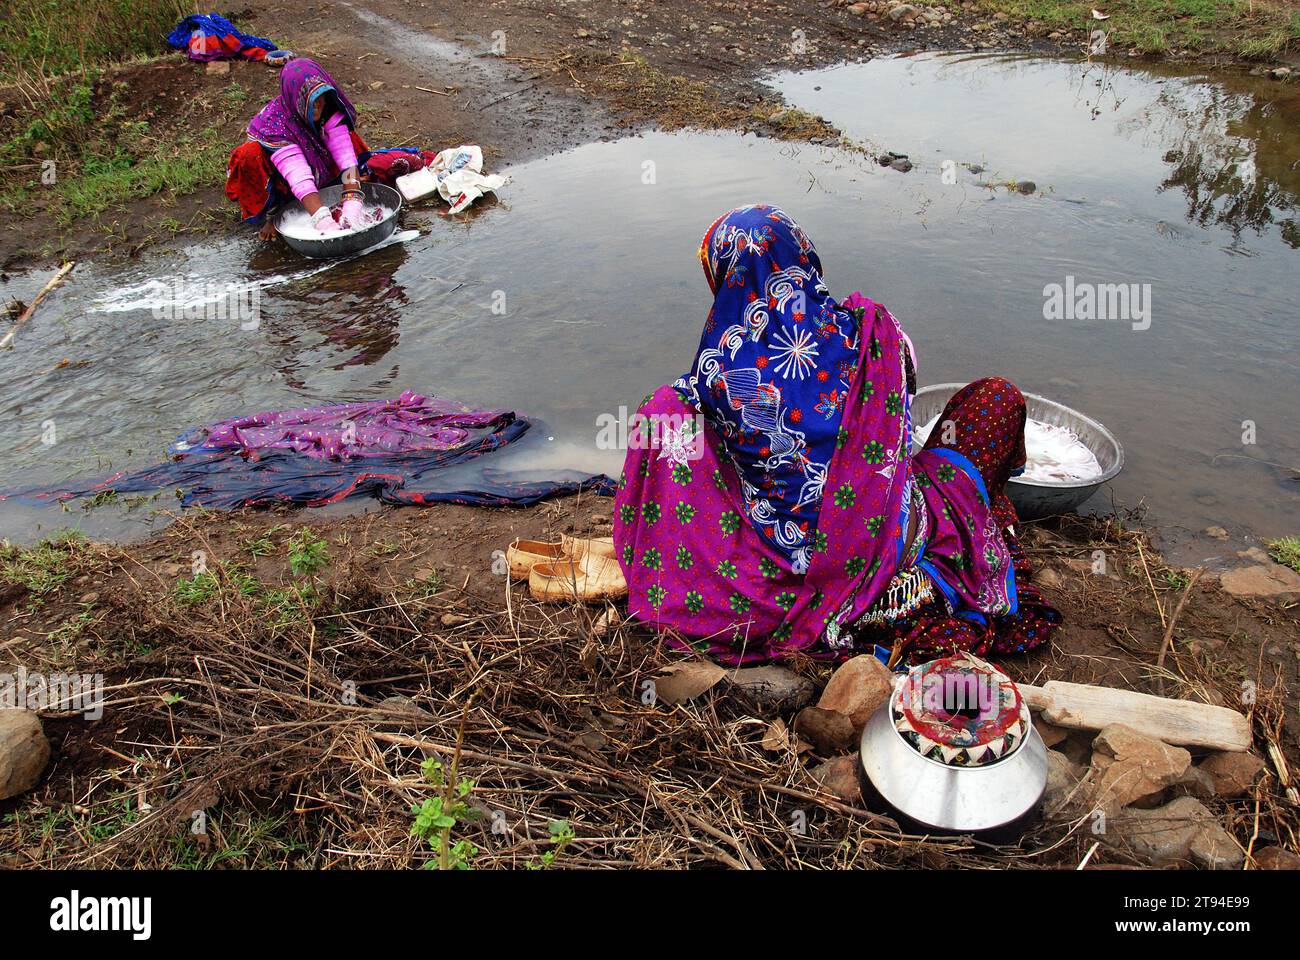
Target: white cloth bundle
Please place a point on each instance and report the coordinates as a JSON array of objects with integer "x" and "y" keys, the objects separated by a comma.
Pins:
[
  {"x": 457, "y": 176},
  {"x": 1052, "y": 453}
]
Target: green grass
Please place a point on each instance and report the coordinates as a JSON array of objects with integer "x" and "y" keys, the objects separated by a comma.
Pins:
[
  {"x": 1255, "y": 30},
  {"x": 248, "y": 840},
  {"x": 53, "y": 37},
  {"x": 55, "y": 57},
  {"x": 44, "y": 567},
  {"x": 1286, "y": 551},
  {"x": 107, "y": 182}
]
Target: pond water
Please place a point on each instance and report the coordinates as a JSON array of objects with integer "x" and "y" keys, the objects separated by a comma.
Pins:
[{"x": 579, "y": 292}]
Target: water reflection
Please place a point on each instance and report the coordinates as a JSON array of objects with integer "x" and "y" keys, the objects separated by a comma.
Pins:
[
  {"x": 581, "y": 293},
  {"x": 1230, "y": 142},
  {"x": 352, "y": 312}
]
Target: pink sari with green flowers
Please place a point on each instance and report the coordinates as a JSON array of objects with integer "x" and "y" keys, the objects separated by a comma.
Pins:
[{"x": 784, "y": 517}]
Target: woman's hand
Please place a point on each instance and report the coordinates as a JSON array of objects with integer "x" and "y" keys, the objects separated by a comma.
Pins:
[
  {"x": 353, "y": 213},
  {"x": 267, "y": 232},
  {"x": 353, "y": 209},
  {"x": 323, "y": 220}
]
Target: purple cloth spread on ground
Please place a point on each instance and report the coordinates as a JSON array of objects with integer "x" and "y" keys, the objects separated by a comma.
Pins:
[
  {"x": 392, "y": 449},
  {"x": 342, "y": 431}
]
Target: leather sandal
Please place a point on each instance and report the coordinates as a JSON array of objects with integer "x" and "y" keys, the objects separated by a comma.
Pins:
[
  {"x": 521, "y": 555},
  {"x": 590, "y": 578}
]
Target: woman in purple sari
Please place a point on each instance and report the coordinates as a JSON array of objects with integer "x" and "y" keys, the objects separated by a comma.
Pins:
[
  {"x": 776, "y": 510},
  {"x": 302, "y": 140}
]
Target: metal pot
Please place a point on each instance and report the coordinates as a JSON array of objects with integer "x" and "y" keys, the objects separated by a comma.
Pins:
[
  {"x": 905, "y": 774},
  {"x": 329, "y": 246},
  {"x": 1035, "y": 499}
]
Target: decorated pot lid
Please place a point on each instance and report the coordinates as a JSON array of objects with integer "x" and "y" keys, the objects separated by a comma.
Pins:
[{"x": 960, "y": 711}]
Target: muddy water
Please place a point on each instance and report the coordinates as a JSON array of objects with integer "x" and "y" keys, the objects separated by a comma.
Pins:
[{"x": 580, "y": 292}]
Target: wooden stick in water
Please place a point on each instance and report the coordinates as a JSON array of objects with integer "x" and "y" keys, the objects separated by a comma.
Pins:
[{"x": 31, "y": 307}]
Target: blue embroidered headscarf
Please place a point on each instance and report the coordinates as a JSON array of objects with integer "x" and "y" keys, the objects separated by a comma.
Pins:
[{"x": 773, "y": 370}]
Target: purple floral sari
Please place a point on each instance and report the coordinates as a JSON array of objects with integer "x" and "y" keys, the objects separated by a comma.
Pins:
[{"x": 288, "y": 118}]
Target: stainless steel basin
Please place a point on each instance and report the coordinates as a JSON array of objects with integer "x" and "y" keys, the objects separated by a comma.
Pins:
[
  {"x": 335, "y": 246},
  {"x": 1035, "y": 499}
]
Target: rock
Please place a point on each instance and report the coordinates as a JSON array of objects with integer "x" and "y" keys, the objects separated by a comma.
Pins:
[
  {"x": 1280, "y": 73},
  {"x": 773, "y": 690},
  {"x": 1181, "y": 830},
  {"x": 1276, "y": 858},
  {"x": 405, "y": 705},
  {"x": 1213, "y": 847},
  {"x": 904, "y": 11},
  {"x": 1261, "y": 580},
  {"x": 1049, "y": 578},
  {"x": 217, "y": 67},
  {"x": 24, "y": 751},
  {"x": 1063, "y": 775},
  {"x": 1026, "y": 187},
  {"x": 1233, "y": 774},
  {"x": 1078, "y": 747},
  {"x": 1051, "y": 734},
  {"x": 1195, "y": 782},
  {"x": 829, "y": 732},
  {"x": 839, "y": 775},
  {"x": 857, "y": 688},
  {"x": 376, "y": 85},
  {"x": 1087, "y": 567},
  {"x": 858, "y": 9},
  {"x": 1127, "y": 765},
  {"x": 1218, "y": 533},
  {"x": 901, "y": 164},
  {"x": 452, "y": 619}
]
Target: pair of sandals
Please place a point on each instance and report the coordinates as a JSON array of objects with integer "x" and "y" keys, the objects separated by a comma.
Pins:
[{"x": 571, "y": 568}]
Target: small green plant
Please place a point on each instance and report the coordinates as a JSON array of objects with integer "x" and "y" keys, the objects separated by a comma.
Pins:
[
  {"x": 283, "y": 606},
  {"x": 1286, "y": 551},
  {"x": 307, "y": 553},
  {"x": 259, "y": 546},
  {"x": 422, "y": 589},
  {"x": 192, "y": 591},
  {"x": 438, "y": 815},
  {"x": 72, "y": 628},
  {"x": 250, "y": 840},
  {"x": 1174, "y": 579},
  {"x": 561, "y": 836}
]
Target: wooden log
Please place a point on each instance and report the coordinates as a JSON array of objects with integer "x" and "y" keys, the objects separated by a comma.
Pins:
[
  {"x": 1183, "y": 723},
  {"x": 31, "y": 307}
]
